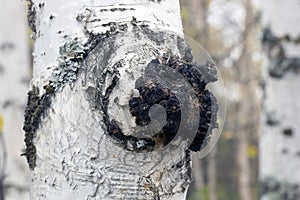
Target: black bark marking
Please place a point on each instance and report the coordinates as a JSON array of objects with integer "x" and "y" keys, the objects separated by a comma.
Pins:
[
  {"x": 279, "y": 189},
  {"x": 116, "y": 9},
  {"x": 156, "y": 1},
  {"x": 272, "y": 119},
  {"x": 41, "y": 5},
  {"x": 51, "y": 17},
  {"x": 288, "y": 132},
  {"x": 284, "y": 151},
  {"x": 7, "y": 103},
  {"x": 7, "y": 46},
  {"x": 280, "y": 62},
  {"x": 156, "y": 36},
  {"x": 1, "y": 69}
]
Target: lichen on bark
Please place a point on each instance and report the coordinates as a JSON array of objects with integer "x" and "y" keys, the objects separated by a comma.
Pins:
[{"x": 39, "y": 102}]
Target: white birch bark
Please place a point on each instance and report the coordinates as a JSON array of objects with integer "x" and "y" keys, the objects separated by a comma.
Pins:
[
  {"x": 74, "y": 157},
  {"x": 14, "y": 77},
  {"x": 280, "y": 134}
]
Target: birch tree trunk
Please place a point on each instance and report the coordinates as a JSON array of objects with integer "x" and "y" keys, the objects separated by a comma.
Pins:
[
  {"x": 14, "y": 77},
  {"x": 280, "y": 137},
  {"x": 96, "y": 65},
  {"x": 247, "y": 105}
]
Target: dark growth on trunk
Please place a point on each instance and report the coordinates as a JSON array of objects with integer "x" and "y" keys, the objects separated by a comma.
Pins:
[
  {"x": 154, "y": 93},
  {"x": 72, "y": 57}
]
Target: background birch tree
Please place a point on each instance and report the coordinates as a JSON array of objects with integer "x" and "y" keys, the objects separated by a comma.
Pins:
[
  {"x": 279, "y": 141},
  {"x": 14, "y": 78},
  {"x": 96, "y": 65},
  {"x": 230, "y": 31}
]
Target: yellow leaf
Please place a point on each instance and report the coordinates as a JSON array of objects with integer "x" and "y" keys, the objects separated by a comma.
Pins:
[
  {"x": 1, "y": 123},
  {"x": 252, "y": 151}
]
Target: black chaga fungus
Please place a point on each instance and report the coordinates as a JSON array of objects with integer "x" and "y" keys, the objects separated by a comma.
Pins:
[
  {"x": 35, "y": 110},
  {"x": 151, "y": 93},
  {"x": 157, "y": 1},
  {"x": 113, "y": 127}
]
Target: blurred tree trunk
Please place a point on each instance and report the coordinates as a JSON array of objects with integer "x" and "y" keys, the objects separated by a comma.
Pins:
[
  {"x": 79, "y": 48},
  {"x": 212, "y": 174},
  {"x": 198, "y": 178},
  {"x": 280, "y": 132},
  {"x": 212, "y": 157},
  {"x": 246, "y": 112},
  {"x": 14, "y": 77}
]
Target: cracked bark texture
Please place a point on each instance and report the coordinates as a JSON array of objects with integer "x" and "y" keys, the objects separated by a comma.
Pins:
[
  {"x": 73, "y": 157},
  {"x": 280, "y": 134}
]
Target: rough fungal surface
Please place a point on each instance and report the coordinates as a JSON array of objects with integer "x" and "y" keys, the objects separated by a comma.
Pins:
[
  {"x": 153, "y": 93},
  {"x": 107, "y": 80}
]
